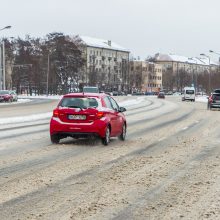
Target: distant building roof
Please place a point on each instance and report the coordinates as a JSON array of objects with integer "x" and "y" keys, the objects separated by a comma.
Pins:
[
  {"x": 183, "y": 59},
  {"x": 100, "y": 43}
]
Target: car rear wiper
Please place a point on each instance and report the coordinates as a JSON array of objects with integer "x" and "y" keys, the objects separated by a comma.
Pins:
[{"x": 74, "y": 106}]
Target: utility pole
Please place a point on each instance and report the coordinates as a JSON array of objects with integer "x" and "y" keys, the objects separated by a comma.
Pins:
[
  {"x": 1, "y": 75},
  {"x": 3, "y": 64},
  {"x": 2, "y": 61},
  {"x": 48, "y": 71}
]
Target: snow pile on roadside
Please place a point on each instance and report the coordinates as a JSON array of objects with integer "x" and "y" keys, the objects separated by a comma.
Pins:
[
  {"x": 14, "y": 103},
  {"x": 201, "y": 99},
  {"x": 131, "y": 102},
  {"x": 40, "y": 97},
  {"x": 27, "y": 118}
]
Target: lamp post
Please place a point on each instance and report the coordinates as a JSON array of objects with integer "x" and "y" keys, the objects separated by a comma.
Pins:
[
  {"x": 211, "y": 51},
  {"x": 2, "y": 62},
  {"x": 48, "y": 72},
  {"x": 202, "y": 54},
  {"x": 195, "y": 76}
]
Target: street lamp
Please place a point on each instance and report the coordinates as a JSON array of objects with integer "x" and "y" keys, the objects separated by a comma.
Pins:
[
  {"x": 6, "y": 27},
  {"x": 211, "y": 51},
  {"x": 194, "y": 77},
  {"x": 202, "y": 54},
  {"x": 2, "y": 61}
]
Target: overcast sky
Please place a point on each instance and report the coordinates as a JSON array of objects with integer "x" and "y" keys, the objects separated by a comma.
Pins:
[{"x": 146, "y": 27}]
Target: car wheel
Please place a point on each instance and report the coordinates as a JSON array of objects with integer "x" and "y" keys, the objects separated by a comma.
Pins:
[
  {"x": 55, "y": 139},
  {"x": 106, "y": 139},
  {"x": 123, "y": 133}
]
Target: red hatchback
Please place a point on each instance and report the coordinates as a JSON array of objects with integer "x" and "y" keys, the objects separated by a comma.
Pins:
[
  {"x": 80, "y": 115},
  {"x": 5, "y": 96}
]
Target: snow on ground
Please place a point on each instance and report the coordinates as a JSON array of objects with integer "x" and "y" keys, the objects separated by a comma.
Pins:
[
  {"x": 14, "y": 103},
  {"x": 40, "y": 97},
  {"x": 201, "y": 99},
  {"x": 27, "y": 118}
]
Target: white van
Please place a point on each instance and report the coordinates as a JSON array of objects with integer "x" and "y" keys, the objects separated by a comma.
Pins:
[
  {"x": 189, "y": 94},
  {"x": 91, "y": 89}
]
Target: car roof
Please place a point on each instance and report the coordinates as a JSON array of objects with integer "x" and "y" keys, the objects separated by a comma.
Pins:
[{"x": 86, "y": 94}]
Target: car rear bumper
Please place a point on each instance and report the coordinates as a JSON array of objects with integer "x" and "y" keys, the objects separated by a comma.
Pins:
[
  {"x": 215, "y": 105},
  {"x": 95, "y": 128}
]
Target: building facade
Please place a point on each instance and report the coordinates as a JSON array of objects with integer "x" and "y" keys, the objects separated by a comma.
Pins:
[
  {"x": 180, "y": 71},
  {"x": 107, "y": 65},
  {"x": 145, "y": 76}
]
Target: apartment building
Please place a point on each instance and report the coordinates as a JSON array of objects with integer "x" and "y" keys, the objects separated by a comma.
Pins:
[
  {"x": 145, "y": 76},
  {"x": 106, "y": 64},
  {"x": 177, "y": 62},
  {"x": 179, "y": 71}
]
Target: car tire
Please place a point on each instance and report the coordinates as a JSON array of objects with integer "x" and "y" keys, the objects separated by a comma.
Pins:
[
  {"x": 55, "y": 139},
  {"x": 123, "y": 133},
  {"x": 106, "y": 139}
]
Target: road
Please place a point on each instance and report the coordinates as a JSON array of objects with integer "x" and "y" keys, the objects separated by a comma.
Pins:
[{"x": 168, "y": 168}]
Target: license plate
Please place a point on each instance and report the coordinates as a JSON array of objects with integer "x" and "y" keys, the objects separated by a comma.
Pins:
[{"x": 77, "y": 117}]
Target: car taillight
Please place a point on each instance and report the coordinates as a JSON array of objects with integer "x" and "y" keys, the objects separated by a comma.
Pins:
[
  {"x": 56, "y": 113},
  {"x": 100, "y": 114}
]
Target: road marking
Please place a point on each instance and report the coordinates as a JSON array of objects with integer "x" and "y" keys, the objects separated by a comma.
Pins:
[
  {"x": 185, "y": 128},
  {"x": 162, "y": 138}
]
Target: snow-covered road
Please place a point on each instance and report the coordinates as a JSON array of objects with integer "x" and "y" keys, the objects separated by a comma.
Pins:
[{"x": 168, "y": 168}]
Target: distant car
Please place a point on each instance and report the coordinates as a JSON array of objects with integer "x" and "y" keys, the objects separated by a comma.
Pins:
[
  {"x": 214, "y": 101},
  {"x": 217, "y": 91},
  {"x": 115, "y": 93},
  {"x": 161, "y": 95},
  {"x": 5, "y": 96},
  {"x": 169, "y": 93},
  {"x": 81, "y": 115},
  {"x": 14, "y": 95},
  {"x": 90, "y": 89}
]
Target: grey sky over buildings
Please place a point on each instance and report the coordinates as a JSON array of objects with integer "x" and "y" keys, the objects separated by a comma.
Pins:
[{"x": 146, "y": 27}]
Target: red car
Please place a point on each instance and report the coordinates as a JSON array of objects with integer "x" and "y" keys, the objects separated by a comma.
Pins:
[
  {"x": 5, "y": 96},
  {"x": 80, "y": 115}
]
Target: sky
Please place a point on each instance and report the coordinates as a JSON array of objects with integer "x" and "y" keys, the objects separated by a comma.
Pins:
[{"x": 145, "y": 27}]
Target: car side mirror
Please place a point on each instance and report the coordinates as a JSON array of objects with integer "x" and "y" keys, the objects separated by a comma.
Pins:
[{"x": 122, "y": 109}]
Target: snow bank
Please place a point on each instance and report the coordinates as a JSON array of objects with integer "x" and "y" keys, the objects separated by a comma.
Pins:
[
  {"x": 57, "y": 97},
  {"x": 27, "y": 118},
  {"x": 14, "y": 103},
  {"x": 201, "y": 99}
]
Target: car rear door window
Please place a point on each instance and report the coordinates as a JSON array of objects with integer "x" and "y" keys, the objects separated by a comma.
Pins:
[
  {"x": 216, "y": 97},
  {"x": 114, "y": 104},
  {"x": 107, "y": 103}
]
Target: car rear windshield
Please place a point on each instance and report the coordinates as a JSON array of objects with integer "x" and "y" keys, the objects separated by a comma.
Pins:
[
  {"x": 217, "y": 91},
  {"x": 190, "y": 92},
  {"x": 216, "y": 96},
  {"x": 4, "y": 92},
  {"x": 76, "y": 102}
]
